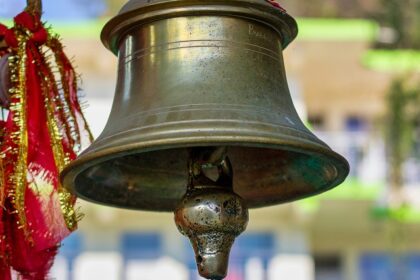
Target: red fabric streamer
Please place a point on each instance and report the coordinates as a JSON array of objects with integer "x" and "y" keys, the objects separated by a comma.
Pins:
[{"x": 43, "y": 132}]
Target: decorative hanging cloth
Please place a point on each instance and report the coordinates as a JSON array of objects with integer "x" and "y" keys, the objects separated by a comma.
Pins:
[{"x": 43, "y": 132}]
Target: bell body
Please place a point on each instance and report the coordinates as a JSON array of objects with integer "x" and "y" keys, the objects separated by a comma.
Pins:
[{"x": 202, "y": 73}]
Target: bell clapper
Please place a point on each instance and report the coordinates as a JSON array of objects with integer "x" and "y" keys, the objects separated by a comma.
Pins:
[{"x": 210, "y": 214}]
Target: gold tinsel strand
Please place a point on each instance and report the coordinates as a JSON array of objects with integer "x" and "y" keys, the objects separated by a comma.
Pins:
[
  {"x": 20, "y": 138},
  {"x": 61, "y": 159},
  {"x": 64, "y": 98},
  {"x": 54, "y": 43}
]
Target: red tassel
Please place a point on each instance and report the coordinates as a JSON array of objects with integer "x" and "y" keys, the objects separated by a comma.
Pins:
[{"x": 43, "y": 132}]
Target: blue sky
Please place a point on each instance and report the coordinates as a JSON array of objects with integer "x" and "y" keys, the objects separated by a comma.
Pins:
[{"x": 65, "y": 10}]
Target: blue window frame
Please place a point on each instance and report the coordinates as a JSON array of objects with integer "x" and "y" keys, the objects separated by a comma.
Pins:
[
  {"x": 72, "y": 246},
  {"x": 376, "y": 267},
  {"x": 390, "y": 267},
  {"x": 141, "y": 246},
  {"x": 70, "y": 249},
  {"x": 246, "y": 246},
  {"x": 251, "y": 245},
  {"x": 412, "y": 264}
]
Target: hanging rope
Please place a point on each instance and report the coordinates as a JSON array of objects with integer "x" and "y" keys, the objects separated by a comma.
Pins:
[{"x": 34, "y": 6}]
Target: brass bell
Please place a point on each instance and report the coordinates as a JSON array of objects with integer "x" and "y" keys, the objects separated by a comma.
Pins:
[{"x": 203, "y": 120}]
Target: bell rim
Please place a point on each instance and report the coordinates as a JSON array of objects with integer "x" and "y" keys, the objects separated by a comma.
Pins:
[
  {"x": 257, "y": 10},
  {"x": 72, "y": 170}
]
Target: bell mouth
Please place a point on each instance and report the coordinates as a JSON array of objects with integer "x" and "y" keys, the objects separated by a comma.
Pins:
[{"x": 142, "y": 178}]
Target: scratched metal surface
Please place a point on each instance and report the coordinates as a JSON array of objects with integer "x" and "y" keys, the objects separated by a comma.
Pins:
[{"x": 202, "y": 80}]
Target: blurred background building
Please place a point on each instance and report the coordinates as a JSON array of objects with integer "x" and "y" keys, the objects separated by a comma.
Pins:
[{"x": 354, "y": 73}]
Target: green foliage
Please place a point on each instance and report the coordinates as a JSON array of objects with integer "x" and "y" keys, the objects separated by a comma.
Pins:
[
  {"x": 403, "y": 112},
  {"x": 403, "y": 17},
  {"x": 403, "y": 214},
  {"x": 392, "y": 60},
  {"x": 336, "y": 29},
  {"x": 351, "y": 189}
]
